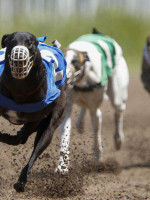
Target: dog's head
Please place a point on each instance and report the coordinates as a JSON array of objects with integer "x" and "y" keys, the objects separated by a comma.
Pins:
[
  {"x": 21, "y": 50},
  {"x": 75, "y": 65},
  {"x": 148, "y": 43}
]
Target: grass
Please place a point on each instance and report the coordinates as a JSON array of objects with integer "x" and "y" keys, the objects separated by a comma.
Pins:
[{"x": 129, "y": 31}]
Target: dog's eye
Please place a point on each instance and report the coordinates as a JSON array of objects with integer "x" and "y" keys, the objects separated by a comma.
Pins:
[
  {"x": 30, "y": 44},
  {"x": 12, "y": 42},
  {"x": 148, "y": 44},
  {"x": 75, "y": 62}
]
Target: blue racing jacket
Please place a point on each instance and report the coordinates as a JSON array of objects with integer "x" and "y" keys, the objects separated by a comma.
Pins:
[{"x": 55, "y": 65}]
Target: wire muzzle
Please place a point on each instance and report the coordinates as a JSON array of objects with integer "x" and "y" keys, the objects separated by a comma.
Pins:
[{"x": 20, "y": 62}]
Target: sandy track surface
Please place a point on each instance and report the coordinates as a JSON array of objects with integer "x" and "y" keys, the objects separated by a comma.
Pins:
[{"x": 124, "y": 174}]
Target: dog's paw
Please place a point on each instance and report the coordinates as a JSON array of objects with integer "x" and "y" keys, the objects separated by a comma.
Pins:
[
  {"x": 0, "y": 136},
  {"x": 62, "y": 169},
  {"x": 80, "y": 130},
  {"x": 119, "y": 140},
  {"x": 19, "y": 186},
  {"x": 80, "y": 127}
]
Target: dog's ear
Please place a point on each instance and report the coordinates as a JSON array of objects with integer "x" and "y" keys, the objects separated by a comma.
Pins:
[
  {"x": 148, "y": 40},
  {"x": 4, "y": 40},
  {"x": 83, "y": 57},
  {"x": 36, "y": 42},
  {"x": 65, "y": 51}
]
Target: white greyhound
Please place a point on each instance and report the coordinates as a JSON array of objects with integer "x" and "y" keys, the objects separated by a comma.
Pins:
[{"x": 96, "y": 67}]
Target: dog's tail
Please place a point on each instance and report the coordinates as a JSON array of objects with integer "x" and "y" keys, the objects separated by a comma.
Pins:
[{"x": 95, "y": 31}]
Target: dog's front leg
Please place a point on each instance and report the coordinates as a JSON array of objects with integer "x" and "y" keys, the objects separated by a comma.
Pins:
[
  {"x": 22, "y": 134},
  {"x": 118, "y": 134},
  {"x": 44, "y": 136},
  {"x": 42, "y": 140},
  {"x": 65, "y": 130},
  {"x": 80, "y": 120},
  {"x": 96, "y": 119},
  {"x": 26, "y": 131}
]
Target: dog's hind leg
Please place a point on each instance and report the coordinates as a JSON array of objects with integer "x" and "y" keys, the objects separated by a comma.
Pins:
[
  {"x": 96, "y": 119},
  {"x": 119, "y": 106},
  {"x": 80, "y": 120},
  {"x": 118, "y": 134},
  {"x": 22, "y": 134},
  {"x": 118, "y": 93}
]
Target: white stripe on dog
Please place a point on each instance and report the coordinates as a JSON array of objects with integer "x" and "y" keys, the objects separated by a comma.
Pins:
[{"x": 105, "y": 47}]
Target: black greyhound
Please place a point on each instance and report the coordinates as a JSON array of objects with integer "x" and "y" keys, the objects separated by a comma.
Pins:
[{"x": 24, "y": 95}]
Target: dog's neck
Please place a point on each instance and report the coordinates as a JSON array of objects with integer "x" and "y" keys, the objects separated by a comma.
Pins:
[{"x": 29, "y": 90}]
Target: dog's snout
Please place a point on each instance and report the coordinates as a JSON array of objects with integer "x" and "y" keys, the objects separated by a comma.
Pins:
[
  {"x": 20, "y": 62},
  {"x": 20, "y": 53},
  {"x": 18, "y": 56}
]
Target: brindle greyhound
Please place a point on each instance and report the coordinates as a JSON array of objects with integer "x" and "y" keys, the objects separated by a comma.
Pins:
[{"x": 32, "y": 92}]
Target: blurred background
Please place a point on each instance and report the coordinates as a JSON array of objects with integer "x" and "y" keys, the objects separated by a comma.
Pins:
[{"x": 127, "y": 21}]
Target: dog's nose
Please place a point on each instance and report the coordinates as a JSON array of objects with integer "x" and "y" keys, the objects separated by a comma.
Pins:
[{"x": 18, "y": 56}]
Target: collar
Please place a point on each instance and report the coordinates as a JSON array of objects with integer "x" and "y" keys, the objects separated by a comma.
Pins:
[
  {"x": 88, "y": 88},
  {"x": 28, "y": 94}
]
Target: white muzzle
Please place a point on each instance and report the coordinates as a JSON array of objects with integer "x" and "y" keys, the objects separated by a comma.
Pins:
[
  {"x": 20, "y": 62},
  {"x": 73, "y": 76}
]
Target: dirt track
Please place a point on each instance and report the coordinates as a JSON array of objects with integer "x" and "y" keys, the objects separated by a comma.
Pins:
[{"x": 124, "y": 175}]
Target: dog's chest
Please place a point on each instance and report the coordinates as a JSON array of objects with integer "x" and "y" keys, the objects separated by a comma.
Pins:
[{"x": 90, "y": 100}]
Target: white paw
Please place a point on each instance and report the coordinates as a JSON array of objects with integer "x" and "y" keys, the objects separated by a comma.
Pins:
[
  {"x": 98, "y": 155},
  {"x": 98, "y": 159},
  {"x": 62, "y": 169},
  {"x": 63, "y": 166}
]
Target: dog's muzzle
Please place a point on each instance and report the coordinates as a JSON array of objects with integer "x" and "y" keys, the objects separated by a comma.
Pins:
[
  {"x": 73, "y": 76},
  {"x": 20, "y": 62}
]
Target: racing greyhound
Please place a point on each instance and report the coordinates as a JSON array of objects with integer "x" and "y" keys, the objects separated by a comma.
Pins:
[
  {"x": 32, "y": 92},
  {"x": 96, "y": 66}
]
